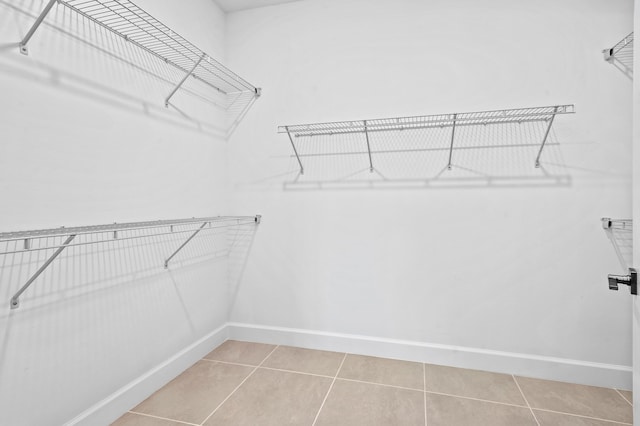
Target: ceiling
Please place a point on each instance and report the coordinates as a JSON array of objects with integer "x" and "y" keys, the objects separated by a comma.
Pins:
[{"x": 236, "y": 5}]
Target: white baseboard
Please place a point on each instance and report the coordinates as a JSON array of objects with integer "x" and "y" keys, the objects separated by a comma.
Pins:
[
  {"x": 542, "y": 367},
  {"x": 113, "y": 406},
  {"x": 566, "y": 370}
]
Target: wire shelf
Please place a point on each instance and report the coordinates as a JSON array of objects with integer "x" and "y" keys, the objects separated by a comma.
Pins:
[
  {"x": 439, "y": 121},
  {"x": 59, "y": 239},
  {"x": 617, "y": 224},
  {"x": 621, "y": 53},
  {"x": 127, "y": 20}
]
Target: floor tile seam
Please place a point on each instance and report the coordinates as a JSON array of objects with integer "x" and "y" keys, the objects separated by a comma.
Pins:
[
  {"x": 329, "y": 391},
  {"x": 162, "y": 418},
  {"x": 297, "y": 372},
  {"x": 623, "y": 397},
  {"x": 476, "y": 399},
  {"x": 582, "y": 416},
  {"x": 525, "y": 399},
  {"x": 237, "y": 387},
  {"x": 229, "y": 362},
  {"x": 424, "y": 396},
  {"x": 378, "y": 384}
]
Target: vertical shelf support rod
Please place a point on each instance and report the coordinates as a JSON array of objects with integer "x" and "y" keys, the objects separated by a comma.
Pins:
[
  {"x": 366, "y": 134},
  {"x": 546, "y": 135},
  {"x": 453, "y": 135},
  {"x": 175, "y": 89},
  {"x": 15, "y": 302},
  {"x": 23, "y": 44},
  {"x": 166, "y": 262},
  {"x": 295, "y": 150}
]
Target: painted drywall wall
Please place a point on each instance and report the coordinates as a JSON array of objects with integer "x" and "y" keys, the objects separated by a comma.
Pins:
[
  {"x": 494, "y": 254},
  {"x": 85, "y": 140}
]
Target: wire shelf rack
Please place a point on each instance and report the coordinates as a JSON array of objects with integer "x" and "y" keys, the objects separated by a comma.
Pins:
[
  {"x": 127, "y": 20},
  {"x": 59, "y": 239},
  {"x": 621, "y": 54},
  {"x": 620, "y": 233},
  {"x": 547, "y": 114}
]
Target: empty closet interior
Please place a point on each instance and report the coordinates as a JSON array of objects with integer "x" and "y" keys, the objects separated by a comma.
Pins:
[{"x": 430, "y": 181}]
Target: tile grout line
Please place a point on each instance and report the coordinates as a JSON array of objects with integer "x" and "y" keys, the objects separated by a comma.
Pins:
[
  {"x": 272, "y": 368},
  {"x": 623, "y": 397},
  {"x": 424, "y": 382},
  {"x": 238, "y": 387},
  {"x": 162, "y": 418},
  {"x": 329, "y": 391},
  {"x": 526, "y": 400},
  {"x": 584, "y": 417}
]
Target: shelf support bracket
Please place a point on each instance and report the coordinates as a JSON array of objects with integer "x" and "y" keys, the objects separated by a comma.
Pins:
[
  {"x": 453, "y": 135},
  {"x": 166, "y": 262},
  {"x": 23, "y": 44},
  {"x": 175, "y": 89},
  {"x": 15, "y": 300},
  {"x": 366, "y": 134},
  {"x": 546, "y": 135},
  {"x": 295, "y": 150}
]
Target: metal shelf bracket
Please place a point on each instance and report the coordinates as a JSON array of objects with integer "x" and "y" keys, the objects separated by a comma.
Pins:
[
  {"x": 631, "y": 280},
  {"x": 294, "y": 149},
  {"x": 23, "y": 44},
  {"x": 175, "y": 89},
  {"x": 166, "y": 262},
  {"x": 453, "y": 135},
  {"x": 546, "y": 135},
  {"x": 366, "y": 134},
  {"x": 15, "y": 300}
]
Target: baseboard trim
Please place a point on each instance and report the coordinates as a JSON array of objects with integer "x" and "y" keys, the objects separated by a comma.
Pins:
[
  {"x": 136, "y": 391},
  {"x": 543, "y": 367}
]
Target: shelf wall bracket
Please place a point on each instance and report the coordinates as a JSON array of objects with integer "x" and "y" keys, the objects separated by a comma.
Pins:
[
  {"x": 15, "y": 300},
  {"x": 295, "y": 150},
  {"x": 366, "y": 134},
  {"x": 453, "y": 135},
  {"x": 546, "y": 135},
  {"x": 23, "y": 44},
  {"x": 175, "y": 89},
  {"x": 166, "y": 262}
]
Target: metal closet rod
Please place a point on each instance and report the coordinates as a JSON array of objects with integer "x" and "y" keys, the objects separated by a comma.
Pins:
[
  {"x": 72, "y": 233},
  {"x": 453, "y": 120},
  {"x": 127, "y": 20},
  {"x": 610, "y": 54}
]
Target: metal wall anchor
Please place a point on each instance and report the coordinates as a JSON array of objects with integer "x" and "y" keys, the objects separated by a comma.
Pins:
[{"x": 631, "y": 280}]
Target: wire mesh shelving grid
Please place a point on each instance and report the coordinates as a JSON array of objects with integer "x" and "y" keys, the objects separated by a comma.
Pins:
[
  {"x": 621, "y": 54},
  {"x": 127, "y": 20},
  {"x": 59, "y": 239},
  {"x": 298, "y": 132}
]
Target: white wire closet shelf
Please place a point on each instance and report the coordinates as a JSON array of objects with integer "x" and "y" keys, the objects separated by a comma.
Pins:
[
  {"x": 125, "y": 19},
  {"x": 297, "y": 133},
  {"x": 621, "y": 53},
  {"x": 59, "y": 239}
]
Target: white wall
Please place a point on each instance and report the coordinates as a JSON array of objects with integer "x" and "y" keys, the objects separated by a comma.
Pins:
[
  {"x": 85, "y": 139},
  {"x": 518, "y": 267}
]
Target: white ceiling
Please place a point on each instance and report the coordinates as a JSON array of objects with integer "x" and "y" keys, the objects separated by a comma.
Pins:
[{"x": 236, "y": 5}]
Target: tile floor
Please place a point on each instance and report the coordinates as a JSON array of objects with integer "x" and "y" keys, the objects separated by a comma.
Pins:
[{"x": 255, "y": 384}]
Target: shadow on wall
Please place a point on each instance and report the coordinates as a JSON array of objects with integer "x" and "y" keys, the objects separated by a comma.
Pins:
[
  {"x": 493, "y": 155},
  {"x": 74, "y": 54}
]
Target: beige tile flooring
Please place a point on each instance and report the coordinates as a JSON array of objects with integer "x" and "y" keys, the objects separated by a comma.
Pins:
[{"x": 255, "y": 384}]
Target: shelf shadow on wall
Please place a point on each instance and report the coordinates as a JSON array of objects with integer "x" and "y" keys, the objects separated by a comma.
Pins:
[
  {"x": 488, "y": 156},
  {"x": 73, "y": 53}
]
